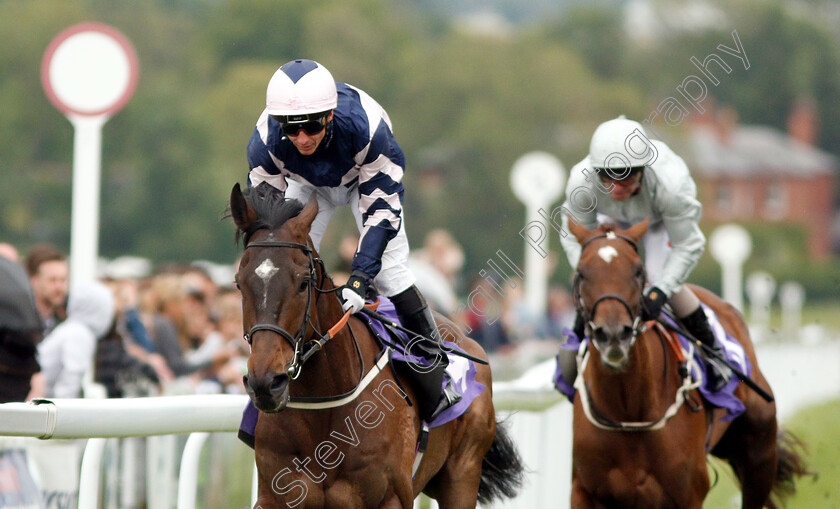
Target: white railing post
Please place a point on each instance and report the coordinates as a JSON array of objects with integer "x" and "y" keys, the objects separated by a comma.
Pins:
[
  {"x": 130, "y": 450},
  {"x": 188, "y": 477},
  {"x": 255, "y": 486},
  {"x": 160, "y": 471},
  {"x": 89, "y": 478}
]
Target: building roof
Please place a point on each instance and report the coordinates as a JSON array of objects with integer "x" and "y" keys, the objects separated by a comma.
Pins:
[{"x": 753, "y": 151}]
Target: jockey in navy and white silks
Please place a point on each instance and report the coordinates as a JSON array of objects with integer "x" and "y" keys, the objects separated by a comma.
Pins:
[
  {"x": 357, "y": 163},
  {"x": 333, "y": 140},
  {"x": 626, "y": 178}
]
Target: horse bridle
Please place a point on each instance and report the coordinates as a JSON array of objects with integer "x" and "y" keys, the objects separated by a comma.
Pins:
[
  {"x": 638, "y": 326},
  {"x": 297, "y": 341}
]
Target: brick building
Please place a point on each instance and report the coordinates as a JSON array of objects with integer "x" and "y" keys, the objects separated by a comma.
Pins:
[{"x": 755, "y": 173}]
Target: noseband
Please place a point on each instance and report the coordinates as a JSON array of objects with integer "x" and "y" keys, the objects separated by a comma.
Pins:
[
  {"x": 304, "y": 350},
  {"x": 297, "y": 341},
  {"x": 638, "y": 326}
]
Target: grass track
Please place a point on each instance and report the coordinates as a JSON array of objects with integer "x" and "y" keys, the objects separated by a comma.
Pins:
[{"x": 818, "y": 428}]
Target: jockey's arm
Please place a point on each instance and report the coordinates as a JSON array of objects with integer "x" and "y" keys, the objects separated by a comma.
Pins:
[
  {"x": 588, "y": 217},
  {"x": 680, "y": 215},
  {"x": 380, "y": 199}
]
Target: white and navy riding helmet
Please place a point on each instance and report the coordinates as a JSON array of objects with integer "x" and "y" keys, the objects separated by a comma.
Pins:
[
  {"x": 619, "y": 144},
  {"x": 300, "y": 88}
]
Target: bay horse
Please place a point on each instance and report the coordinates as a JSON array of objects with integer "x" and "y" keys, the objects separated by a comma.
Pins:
[
  {"x": 643, "y": 445},
  {"x": 359, "y": 450}
]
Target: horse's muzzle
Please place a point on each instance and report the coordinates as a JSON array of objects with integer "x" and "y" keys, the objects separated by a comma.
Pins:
[
  {"x": 269, "y": 393},
  {"x": 614, "y": 344}
]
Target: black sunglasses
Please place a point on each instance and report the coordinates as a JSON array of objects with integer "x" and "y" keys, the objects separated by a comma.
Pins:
[
  {"x": 310, "y": 125},
  {"x": 608, "y": 175}
]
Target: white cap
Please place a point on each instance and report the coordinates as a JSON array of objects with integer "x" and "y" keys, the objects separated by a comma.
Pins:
[
  {"x": 620, "y": 143},
  {"x": 301, "y": 87}
]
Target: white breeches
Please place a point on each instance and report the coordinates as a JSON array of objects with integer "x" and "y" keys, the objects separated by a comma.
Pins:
[{"x": 395, "y": 276}]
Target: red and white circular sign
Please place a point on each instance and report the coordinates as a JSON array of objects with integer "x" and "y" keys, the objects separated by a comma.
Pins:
[{"x": 90, "y": 70}]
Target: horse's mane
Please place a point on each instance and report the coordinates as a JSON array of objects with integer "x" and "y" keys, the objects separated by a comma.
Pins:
[
  {"x": 608, "y": 227},
  {"x": 271, "y": 206}
]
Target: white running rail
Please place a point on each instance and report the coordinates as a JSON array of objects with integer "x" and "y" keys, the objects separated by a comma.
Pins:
[
  {"x": 799, "y": 374},
  {"x": 199, "y": 415}
]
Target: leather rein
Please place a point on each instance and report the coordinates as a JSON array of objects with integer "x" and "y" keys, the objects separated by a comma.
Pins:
[
  {"x": 638, "y": 326},
  {"x": 303, "y": 349},
  {"x": 687, "y": 385}
]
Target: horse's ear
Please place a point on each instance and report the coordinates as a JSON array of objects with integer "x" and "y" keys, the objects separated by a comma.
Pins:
[
  {"x": 243, "y": 215},
  {"x": 638, "y": 230},
  {"x": 303, "y": 221},
  {"x": 579, "y": 231}
]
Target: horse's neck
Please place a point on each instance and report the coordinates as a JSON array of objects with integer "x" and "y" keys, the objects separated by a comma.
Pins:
[
  {"x": 639, "y": 392},
  {"x": 335, "y": 369}
]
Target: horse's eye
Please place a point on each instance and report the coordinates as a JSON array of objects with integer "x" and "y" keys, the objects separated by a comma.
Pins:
[
  {"x": 640, "y": 271},
  {"x": 304, "y": 284},
  {"x": 236, "y": 284}
]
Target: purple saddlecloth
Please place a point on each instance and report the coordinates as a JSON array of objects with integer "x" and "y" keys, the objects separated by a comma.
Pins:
[
  {"x": 248, "y": 425},
  {"x": 463, "y": 380},
  {"x": 725, "y": 398},
  {"x": 572, "y": 343},
  {"x": 466, "y": 385},
  {"x": 735, "y": 355}
]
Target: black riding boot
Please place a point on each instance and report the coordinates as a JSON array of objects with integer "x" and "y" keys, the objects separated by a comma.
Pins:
[
  {"x": 415, "y": 315},
  {"x": 717, "y": 371},
  {"x": 568, "y": 358}
]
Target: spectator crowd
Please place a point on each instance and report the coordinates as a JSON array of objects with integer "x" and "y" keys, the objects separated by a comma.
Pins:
[
  {"x": 178, "y": 330},
  {"x": 173, "y": 332}
]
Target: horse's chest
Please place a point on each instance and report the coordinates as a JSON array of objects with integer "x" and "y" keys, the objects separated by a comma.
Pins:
[
  {"x": 635, "y": 476},
  {"x": 345, "y": 466},
  {"x": 307, "y": 486},
  {"x": 642, "y": 482}
]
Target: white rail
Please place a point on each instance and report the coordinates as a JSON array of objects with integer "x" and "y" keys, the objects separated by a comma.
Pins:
[
  {"x": 132, "y": 417},
  {"x": 99, "y": 419},
  {"x": 800, "y": 375},
  {"x": 168, "y": 415}
]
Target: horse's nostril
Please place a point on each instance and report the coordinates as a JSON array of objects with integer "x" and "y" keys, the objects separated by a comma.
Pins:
[
  {"x": 245, "y": 380},
  {"x": 278, "y": 381}
]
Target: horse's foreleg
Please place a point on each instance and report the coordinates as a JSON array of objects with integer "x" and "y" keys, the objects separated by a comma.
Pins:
[
  {"x": 581, "y": 499},
  {"x": 459, "y": 495},
  {"x": 393, "y": 503},
  {"x": 296, "y": 494},
  {"x": 266, "y": 504},
  {"x": 458, "y": 482}
]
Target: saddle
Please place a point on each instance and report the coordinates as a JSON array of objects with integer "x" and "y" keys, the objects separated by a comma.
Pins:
[{"x": 461, "y": 371}]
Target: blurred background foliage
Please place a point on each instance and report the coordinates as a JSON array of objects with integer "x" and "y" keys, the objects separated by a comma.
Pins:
[{"x": 465, "y": 103}]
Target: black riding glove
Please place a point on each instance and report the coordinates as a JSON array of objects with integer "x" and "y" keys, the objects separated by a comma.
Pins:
[
  {"x": 357, "y": 289},
  {"x": 652, "y": 303}
]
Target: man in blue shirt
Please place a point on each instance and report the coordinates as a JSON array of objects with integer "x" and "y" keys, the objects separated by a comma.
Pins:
[{"x": 332, "y": 140}]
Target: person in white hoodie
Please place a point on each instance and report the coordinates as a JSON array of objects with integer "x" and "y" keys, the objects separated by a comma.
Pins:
[{"x": 66, "y": 354}]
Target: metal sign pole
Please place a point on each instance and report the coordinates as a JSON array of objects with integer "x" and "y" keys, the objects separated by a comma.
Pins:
[
  {"x": 89, "y": 72},
  {"x": 84, "y": 241}
]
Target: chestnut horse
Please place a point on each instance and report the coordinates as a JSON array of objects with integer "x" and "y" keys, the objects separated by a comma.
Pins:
[
  {"x": 642, "y": 445},
  {"x": 354, "y": 446}
]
